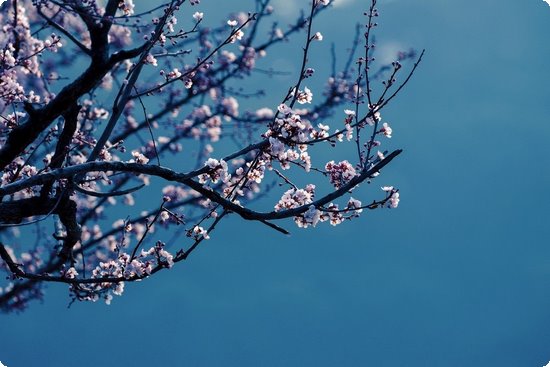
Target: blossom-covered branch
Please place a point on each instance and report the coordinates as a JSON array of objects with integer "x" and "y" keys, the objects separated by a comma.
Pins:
[{"x": 111, "y": 105}]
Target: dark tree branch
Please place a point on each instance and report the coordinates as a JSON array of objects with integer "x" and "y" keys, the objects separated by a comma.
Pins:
[
  {"x": 62, "y": 147},
  {"x": 67, "y": 216}
]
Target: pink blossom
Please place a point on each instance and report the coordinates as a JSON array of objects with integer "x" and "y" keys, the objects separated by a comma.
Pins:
[
  {"x": 386, "y": 130},
  {"x": 354, "y": 204},
  {"x": 139, "y": 158},
  {"x": 310, "y": 218},
  {"x": 150, "y": 59},
  {"x": 127, "y": 6},
  {"x": 340, "y": 173},
  {"x": 304, "y": 96},
  {"x": 237, "y": 36},
  {"x": 394, "y": 200},
  {"x": 294, "y": 198}
]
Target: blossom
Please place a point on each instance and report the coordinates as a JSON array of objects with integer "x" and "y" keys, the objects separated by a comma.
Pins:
[
  {"x": 173, "y": 74},
  {"x": 70, "y": 273},
  {"x": 304, "y": 96},
  {"x": 172, "y": 21},
  {"x": 294, "y": 198},
  {"x": 237, "y": 36},
  {"x": 310, "y": 218},
  {"x": 394, "y": 200},
  {"x": 198, "y": 16},
  {"x": 278, "y": 33},
  {"x": 321, "y": 133},
  {"x": 340, "y": 173},
  {"x": 277, "y": 147},
  {"x": 386, "y": 130},
  {"x": 349, "y": 131},
  {"x": 227, "y": 57},
  {"x": 284, "y": 109},
  {"x": 150, "y": 59},
  {"x": 264, "y": 113},
  {"x": 127, "y": 6},
  {"x": 349, "y": 112},
  {"x": 218, "y": 170},
  {"x": 164, "y": 216},
  {"x": 232, "y": 23},
  {"x": 371, "y": 120},
  {"x": 318, "y": 36},
  {"x": 333, "y": 215},
  {"x": 201, "y": 232},
  {"x": 354, "y": 204},
  {"x": 139, "y": 158},
  {"x": 230, "y": 106}
]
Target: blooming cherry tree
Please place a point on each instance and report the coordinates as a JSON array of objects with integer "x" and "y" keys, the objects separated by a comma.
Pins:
[{"x": 104, "y": 103}]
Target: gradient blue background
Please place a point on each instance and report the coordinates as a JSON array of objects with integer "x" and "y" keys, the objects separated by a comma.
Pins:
[{"x": 459, "y": 275}]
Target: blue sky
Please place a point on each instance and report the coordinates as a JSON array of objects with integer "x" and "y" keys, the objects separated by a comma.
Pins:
[{"x": 458, "y": 275}]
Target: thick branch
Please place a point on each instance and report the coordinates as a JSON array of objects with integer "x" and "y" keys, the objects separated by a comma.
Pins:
[
  {"x": 67, "y": 216},
  {"x": 185, "y": 179},
  {"x": 14, "y": 268},
  {"x": 69, "y": 128},
  {"x": 69, "y": 172},
  {"x": 16, "y": 211}
]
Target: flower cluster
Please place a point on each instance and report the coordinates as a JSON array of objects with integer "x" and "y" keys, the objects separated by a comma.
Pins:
[
  {"x": 340, "y": 173},
  {"x": 393, "y": 196},
  {"x": 217, "y": 171},
  {"x": 295, "y": 198},
  {"x": 304, "y": 96},
  {"x": 113, "y": 273},
  {"x": 292, "y": 127},
  {"x": 310, "y": 218},
  {"x": 20, "y": 52},
  {"x": 331, "y": 213},
  {"x": 127, "y": 6}
]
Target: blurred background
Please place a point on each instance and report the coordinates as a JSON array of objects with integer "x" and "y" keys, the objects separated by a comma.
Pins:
[{"x": 458, "y": 275}]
